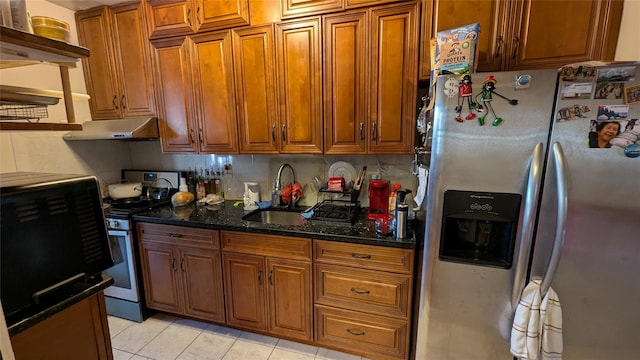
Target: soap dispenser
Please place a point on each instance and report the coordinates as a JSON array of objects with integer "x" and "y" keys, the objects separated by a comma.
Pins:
[{"x": 402, "y": 214}]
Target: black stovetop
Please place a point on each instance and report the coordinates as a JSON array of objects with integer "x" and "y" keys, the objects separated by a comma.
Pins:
[{"x": 125, "y": 208}]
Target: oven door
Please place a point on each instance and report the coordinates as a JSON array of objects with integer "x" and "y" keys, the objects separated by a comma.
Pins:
[{"x": 123, "y": 272}]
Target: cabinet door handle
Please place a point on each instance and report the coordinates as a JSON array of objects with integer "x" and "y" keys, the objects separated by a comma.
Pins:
[
  {"x": 123, "y": 103},
  {"x": 273, "y": 133},
  {"x": 499, "y": 52},
  {"x": 193, "y": 141},
  {"x": 374, "y": 133},
  {"x": 173, "y": 264},
  {"x": 271, "y": 277},
  {"x": 172, "y": 235},
  {"x": 198, "y": 15},
  {"x": 358, "y": 256},
  {"x": 182, "y": 264},
  {"x": 284, "y": 133},
  {"x": 189, "y": 17},
  {"x": 260, "y": 277},
  {"x": 515, "y": 49},
  {"x": 362, "y": 131},
  {"x": 355, "y": 332},
  {"x": 361, "y": 292},
  {"x": 115, "y": 102},
  {"x": 200, "y": 136}
]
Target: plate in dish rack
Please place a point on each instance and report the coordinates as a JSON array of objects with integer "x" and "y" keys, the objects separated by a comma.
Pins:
[{"x": 344, "y": 169}]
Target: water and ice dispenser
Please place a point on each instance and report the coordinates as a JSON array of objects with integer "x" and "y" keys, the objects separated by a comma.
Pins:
[{"x": 479, "y": 227}]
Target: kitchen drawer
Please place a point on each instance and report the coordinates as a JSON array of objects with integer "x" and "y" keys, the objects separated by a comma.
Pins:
[
  {"x": 287, "y": 247},
  {"x": 364, "y": 256},
  {"x": 179, "y": 235},
  {"x": 373, "y": 336},
  {"x": 363, "y": 290}
]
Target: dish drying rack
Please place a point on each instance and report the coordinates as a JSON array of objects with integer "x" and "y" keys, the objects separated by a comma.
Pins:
[
  {"x": 349, "y": 195},
  {"x": 351, "y": 190}
]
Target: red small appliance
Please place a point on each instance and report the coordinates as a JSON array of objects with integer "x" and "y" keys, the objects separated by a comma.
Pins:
[{"x": 378, "y": 200}]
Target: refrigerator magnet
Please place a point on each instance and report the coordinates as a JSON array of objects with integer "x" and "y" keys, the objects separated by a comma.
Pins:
[
  {"x": 580, "y": 73},
  {"x": 629, "y": 134},
  {"x": 602, "y": 132},
  {"x": 572, "y": 112},
  {"x": 576, "y": 90},
  {"x": 523, "y": 81},
  {"x": 632, "y": 94},
  {"x": 451, "y": 87},
  {"x": 608, "y": 90},
  {"x": 612, "y": 112}
]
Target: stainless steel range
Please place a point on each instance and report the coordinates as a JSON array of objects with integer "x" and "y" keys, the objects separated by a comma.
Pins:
[{"x": 125, "y": 297}]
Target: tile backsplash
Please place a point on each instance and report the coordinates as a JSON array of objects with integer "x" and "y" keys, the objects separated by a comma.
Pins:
[
  {"x": 263, "y": 168},
  {"x": 47, "y": 152}
]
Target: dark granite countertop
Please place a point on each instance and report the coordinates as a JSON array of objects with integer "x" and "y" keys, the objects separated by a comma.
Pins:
[
  {"x": 73, "y": 295},
  {"x": 229, "y": 217}
]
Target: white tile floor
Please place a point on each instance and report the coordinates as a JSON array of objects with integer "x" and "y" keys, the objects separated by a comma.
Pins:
[{"x": 164, "y": 336}]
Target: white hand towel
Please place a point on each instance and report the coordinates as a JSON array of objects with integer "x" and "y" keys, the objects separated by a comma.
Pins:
[
  {"x": 551, "y": 315},
  {"x": 525, "y": 336},
  {"x": 423, "y": 177},
  {"x": 537, "y": 325}
]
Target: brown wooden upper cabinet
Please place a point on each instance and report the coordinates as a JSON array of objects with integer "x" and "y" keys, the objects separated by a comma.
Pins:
[
  {"x": 299, "y": 69},
  {"x": 370, "y": 62},
  {"x": 518, "y": 35},
  {"x": 171, "y": 17},
  {"x": 256, "y": 89},
  {"x": 196, "y": 93},
  {"x": 118, "y": 72}
]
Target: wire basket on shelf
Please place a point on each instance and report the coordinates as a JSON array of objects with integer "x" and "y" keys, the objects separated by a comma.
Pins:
[{"x": 29, "y": 112}]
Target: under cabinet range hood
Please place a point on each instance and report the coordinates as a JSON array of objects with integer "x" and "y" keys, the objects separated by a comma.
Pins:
[{"x": 121, "y": 129}]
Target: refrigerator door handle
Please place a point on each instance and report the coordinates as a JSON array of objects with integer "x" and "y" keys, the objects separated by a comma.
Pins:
[
  {"x": 561, "y": 220},
  {"x": 531, "y": 200}
]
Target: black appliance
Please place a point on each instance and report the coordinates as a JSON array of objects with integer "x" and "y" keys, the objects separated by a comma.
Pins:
[{"x": 53, "y": 239}]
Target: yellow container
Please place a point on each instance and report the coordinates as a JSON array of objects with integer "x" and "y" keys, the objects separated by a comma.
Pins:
[{"x": 50, "y": 28}]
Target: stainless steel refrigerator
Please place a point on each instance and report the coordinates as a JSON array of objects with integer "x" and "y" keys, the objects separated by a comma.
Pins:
[{"x": 526, "y": 199}]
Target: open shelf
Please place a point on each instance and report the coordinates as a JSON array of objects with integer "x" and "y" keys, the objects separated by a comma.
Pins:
[
  {"x": 19, "y": 48},
  {"x": 9, "y": 126},
  {"x": 20, "y": 45}
]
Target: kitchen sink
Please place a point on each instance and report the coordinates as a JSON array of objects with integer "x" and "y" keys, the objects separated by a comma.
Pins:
[{"x": 272, "y": 216}]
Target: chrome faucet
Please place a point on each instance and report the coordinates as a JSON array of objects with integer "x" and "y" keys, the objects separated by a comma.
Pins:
[{"x": 276, "y": 199}]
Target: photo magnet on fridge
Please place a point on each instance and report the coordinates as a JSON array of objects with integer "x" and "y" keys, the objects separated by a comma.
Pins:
[{"x": 632, "y": 94}]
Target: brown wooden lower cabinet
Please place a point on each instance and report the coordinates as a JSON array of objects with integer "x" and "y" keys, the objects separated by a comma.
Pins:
[
  {"x": 363, "y": 298},
  {"x": 79, "y": 332},
  {"x": 373, "y": 336},
  {"x": 349, "y": 297},
  {"x": 182, "y": 270},
  {"x": 268, "y": 284}
]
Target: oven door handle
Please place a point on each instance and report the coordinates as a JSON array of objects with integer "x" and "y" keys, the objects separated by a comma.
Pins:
[
  {"x": 118, "y": 254},
  {"x": 118, "y": 233}
]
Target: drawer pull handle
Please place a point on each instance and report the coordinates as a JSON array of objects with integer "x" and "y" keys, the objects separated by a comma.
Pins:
[
  {"x": 362, "y": 292},
  {"x": 355, "y": 333},
  {"x": 175, "y": 235},
  {"x": 357, "y": 256}
]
